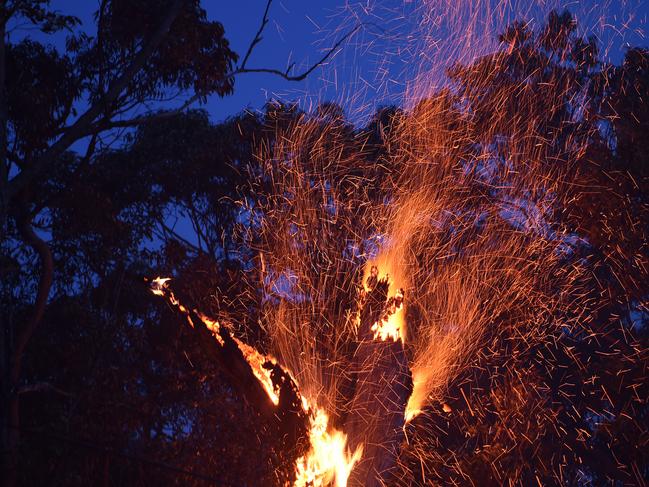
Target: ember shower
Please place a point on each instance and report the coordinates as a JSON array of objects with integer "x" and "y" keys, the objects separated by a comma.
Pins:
[{"x": 393, "y": 275}]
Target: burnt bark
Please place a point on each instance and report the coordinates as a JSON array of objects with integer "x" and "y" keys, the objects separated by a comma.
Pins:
[
  {"x": 287, "y": 420},
  {"x": 382, "y": 386}
]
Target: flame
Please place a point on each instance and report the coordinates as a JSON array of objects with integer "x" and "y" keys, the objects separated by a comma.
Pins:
[
  {"x": 392, "y": 324},
  {"x": 257, "y": 363},
  {"x": 159, "y": 285},
  {"x": 418, "y": 396},
  {"x": 391, "y": 327},
  {"x": 256, "y": 360},
  {"x": 329, "y": 460}
]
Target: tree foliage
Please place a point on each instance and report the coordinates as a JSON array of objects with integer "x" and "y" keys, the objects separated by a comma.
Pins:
[{"x": 114, "y": 391}]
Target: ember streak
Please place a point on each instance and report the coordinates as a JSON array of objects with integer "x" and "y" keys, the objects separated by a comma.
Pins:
[
  {"x": 379, "y": 386},
  {"x": 439, "y": 284}
]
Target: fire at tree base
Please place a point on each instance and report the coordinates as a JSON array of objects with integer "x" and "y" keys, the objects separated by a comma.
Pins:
[{"x": 375, "y": 393}]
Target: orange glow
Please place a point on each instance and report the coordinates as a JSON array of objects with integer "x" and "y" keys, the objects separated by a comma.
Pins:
[
  {"x": 418, "y": 397},
  {"x": 257, "y": 361},
  {"x": 391, "y": 327},
  {"x": 329, "y": 461},
  {"x": 159, "y": 288}
]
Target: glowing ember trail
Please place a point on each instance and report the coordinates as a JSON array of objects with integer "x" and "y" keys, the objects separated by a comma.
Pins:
[
  {"x": 328, "y": 461},
  {"x": 427, "y": 265}
]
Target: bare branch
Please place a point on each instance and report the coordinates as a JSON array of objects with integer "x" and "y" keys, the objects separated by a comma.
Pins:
[
  {"x": 108, "y": 124},
  {"x": 42, "y": 387},
  {"x": 166, "y": 232},
  {"x": 257, "y": 39},
  {"x": 299, "y": 77}
]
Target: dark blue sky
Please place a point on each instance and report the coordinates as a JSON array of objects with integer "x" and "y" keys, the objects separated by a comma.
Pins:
[
  {"x": 374, "y": 67},
  {"x": 393, "y": 45}
]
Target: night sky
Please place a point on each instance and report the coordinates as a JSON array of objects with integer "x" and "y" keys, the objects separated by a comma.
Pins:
[{"x": 374, "y": 66}]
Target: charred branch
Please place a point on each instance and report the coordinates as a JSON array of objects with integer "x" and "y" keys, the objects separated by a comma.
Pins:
[
  {"x": 381, "y": 385},
  {"x": 286, "y": 417}
]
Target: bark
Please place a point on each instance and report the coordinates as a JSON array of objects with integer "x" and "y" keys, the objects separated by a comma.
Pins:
[
  {"x": 376, "y": 419},
  {"x": 382, "y": 386},
  {"x": 12, "y": 419}
]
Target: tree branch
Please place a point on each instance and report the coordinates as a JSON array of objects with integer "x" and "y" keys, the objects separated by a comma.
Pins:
[
  {"x": 80, "y": 128},
  {"x": 41, "y": 387},
  {"x": 84, "y": 125},
  {"x": 257, "y": 39},
  {"x": 285, "y": 74},
  {"x": 166, "y": 232},
  {"x": 106, "y": 124},
  {"x": 112, "y": 124}
]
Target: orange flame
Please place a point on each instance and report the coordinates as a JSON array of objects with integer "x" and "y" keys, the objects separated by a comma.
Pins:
[
  {"x": 390, "y": 327},
  {"x": 257, "y": 361},
  {"x": 329, "y": 460},
  {"x": 418, "y": 396}
]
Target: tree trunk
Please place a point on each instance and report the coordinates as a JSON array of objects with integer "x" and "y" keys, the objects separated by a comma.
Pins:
[
  {"x": 383, "y": 384},
  {"x": 11, "y": 399},
  {"x": 4, "y": 167},
  {"x": 5, "y": 338}
]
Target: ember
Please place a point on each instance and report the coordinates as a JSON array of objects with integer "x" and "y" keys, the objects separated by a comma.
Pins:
[{"x": 431, "y": 269}]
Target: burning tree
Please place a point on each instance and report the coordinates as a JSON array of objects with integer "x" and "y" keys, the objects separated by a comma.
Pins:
[
  {"x": 454, "y": 294},
  {"x": 496, "y": 281}
]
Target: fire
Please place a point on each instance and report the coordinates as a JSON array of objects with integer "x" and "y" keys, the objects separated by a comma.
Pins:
[
  {"x": 329, "y": 460},
  {"x": 257, "y": 363},
  {"x": 419, "y": 395},
  {"x": 466, "y": 228},
  {"x": 159, "y": 287},
  {"x": 390, "y": 326},
  {"x": 392, "y": 323}
]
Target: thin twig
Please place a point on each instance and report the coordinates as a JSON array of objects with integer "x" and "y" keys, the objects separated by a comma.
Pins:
[
  {"x": 285, "y": 74},
  {"x": 42, "y": 387},
  {"x": 257, "y": 39}
]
